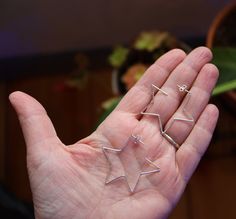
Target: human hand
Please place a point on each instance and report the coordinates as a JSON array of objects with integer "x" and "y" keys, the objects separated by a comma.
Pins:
[{"x": 69, "y": 181}]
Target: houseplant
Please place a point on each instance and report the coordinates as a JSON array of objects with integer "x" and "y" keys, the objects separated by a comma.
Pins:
[
  {"x": 130, "y": 63},
  {"x": 221, "y": 39}
]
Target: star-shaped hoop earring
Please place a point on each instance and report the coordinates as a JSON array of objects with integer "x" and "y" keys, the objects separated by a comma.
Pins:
[
  {"x": 131, "y": 163},
  {"x": 188, "y": 117}
]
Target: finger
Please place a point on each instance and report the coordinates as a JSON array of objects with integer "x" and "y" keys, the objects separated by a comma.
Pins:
[
  {"x": 35, "y": 124},
  {"x": 139, "y": 96},
  {"x": 193, "y": 104},
  {"x": 191, "y": 151},
  {"x": 184, "y": 73}
]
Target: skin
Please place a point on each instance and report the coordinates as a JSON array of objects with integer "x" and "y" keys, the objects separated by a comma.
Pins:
[{"x": 69, "y": 181}]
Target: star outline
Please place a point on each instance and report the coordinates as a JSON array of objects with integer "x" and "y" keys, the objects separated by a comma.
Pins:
[{"x": 142, "y": 173}]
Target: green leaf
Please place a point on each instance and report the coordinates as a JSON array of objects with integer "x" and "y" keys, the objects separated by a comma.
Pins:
[
  {"x": 150, "y": 40},
  {"x": 225, "y": 60},
  {"x": 224, "y": 87},
  {"x": 118, "y": 56}
]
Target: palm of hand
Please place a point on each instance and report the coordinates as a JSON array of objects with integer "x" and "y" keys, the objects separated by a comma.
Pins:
[{"x": 69, "y": 181}]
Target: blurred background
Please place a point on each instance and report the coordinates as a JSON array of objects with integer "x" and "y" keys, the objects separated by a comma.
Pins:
[{"x": 79, "y": 57}]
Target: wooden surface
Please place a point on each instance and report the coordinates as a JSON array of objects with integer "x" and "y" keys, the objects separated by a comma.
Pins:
[{"x": 211, "y": 191}]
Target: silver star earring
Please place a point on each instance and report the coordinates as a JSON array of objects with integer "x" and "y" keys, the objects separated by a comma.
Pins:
[
  {"x": 129, "y": 164},
  {"x": 189, "y": 118}
]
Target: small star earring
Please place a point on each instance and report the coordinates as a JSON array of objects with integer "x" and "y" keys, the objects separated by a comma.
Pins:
[{"x": 123, "y": 164}]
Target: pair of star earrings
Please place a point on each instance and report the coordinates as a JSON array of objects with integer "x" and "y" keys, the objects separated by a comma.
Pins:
[{"x": 128, "y": 163}]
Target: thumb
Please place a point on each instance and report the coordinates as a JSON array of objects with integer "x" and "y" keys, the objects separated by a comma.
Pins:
[{"x": 35, "y": 123}]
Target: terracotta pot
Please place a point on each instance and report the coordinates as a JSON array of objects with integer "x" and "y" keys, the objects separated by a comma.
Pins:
[{"x": 220, "y": 34}]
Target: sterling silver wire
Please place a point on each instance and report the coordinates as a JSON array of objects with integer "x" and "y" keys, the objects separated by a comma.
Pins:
[
  {"x": 189, "y": 118},
  {"x": 136, "y": 140}
]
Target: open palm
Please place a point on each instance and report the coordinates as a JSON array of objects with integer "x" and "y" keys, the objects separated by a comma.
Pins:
[{"x": 69, "y": 181}]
